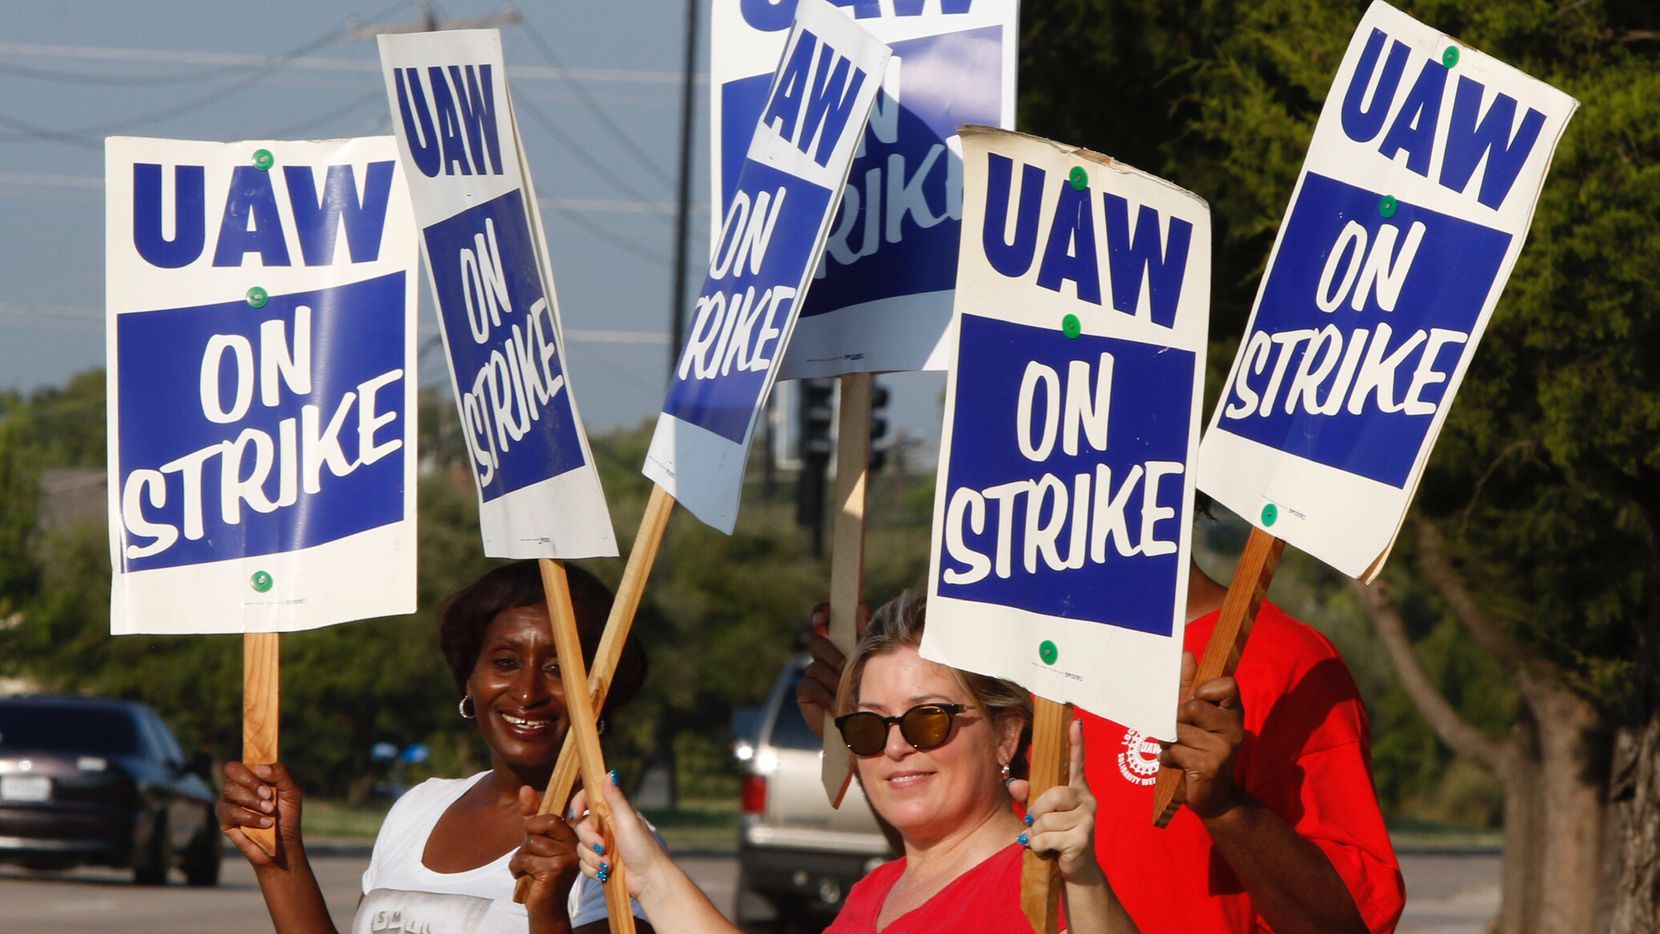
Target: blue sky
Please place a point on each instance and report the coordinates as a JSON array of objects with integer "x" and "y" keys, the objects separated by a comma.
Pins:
[{"x": 597, "y": 86}]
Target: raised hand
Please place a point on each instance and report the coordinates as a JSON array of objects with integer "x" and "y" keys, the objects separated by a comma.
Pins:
[
  {"x": 547, "y": 856},
  {"x": 1062, "y": 820},
  {"x": 1210, "y": 727},
  {"x": 263, "y": 796}
]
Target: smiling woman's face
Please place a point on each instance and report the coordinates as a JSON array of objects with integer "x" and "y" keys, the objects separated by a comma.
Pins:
[
  {"x": 516, "y": 689},
  {"x": 927, "y": 793}
]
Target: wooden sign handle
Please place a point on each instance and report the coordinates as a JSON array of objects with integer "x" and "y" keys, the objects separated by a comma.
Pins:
[
  {"x": 617, "y": 625},
  {"x": 580, "y": 707},
  {"x": 259, "y": 715},
  {"x": 1227, "y": 643},
  {"x": 1040, "y": 875},
  {"x": 847, "y": 559}
]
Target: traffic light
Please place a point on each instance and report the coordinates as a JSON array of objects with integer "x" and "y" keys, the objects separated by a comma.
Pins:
[
  {"x": 818, "y": 414},
  {"x": 878, "y": 426}
]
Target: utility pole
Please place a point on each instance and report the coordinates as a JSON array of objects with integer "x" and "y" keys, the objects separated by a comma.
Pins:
[
  {"x": 677, "y": 305},
  {"x": 430, "y": 22}
]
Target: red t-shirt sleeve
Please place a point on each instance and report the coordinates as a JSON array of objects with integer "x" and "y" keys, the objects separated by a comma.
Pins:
[{"x": 1312, "y": 766}]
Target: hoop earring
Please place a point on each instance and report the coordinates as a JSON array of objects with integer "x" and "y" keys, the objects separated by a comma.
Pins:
[{"x": 461, "y": 708}]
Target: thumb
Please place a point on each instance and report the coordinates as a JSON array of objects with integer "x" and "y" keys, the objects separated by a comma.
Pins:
[
  {"x": 529, "y": 801},
  {"x": 1075, "y": 732},
  {"x": 1020, "y": 789}
]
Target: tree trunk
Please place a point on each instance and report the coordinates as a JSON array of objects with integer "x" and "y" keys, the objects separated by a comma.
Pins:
[
  {"x": 1634, "y": 825},
  {"x": 1573, "y": 777},
  {"x": 1520, "y": 881}
]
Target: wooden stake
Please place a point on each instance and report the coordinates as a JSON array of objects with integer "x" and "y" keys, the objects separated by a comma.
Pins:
[
  {"x": 847, "y": 559},
  {"x": 259, "y": 715},
  {"x": 1040, "y": 875},
  {"x": 1227, "y": 642},
  {"x": 617, "y": 625},
  {"x": 580, "y": 707}
]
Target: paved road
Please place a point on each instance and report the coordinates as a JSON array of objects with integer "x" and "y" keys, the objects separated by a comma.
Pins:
[{"x": 1449, "y": 894}]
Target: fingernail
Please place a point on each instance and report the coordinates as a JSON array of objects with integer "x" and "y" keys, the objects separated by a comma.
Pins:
[
  {"x": 262, "y": 770},
  {"x": 570, "y": 815},
  {"x": 267, "y": 806},
  {"x": 1029, "y": 818},
  {"x": 604, "y": 869},
  {"x": 265, "y": 821},
  {"x": 599, "y": 848},
  {"x": 1021, "y": 839},
  {"x": 612, "y": 775},
  {"x": 604, "y": 877}
]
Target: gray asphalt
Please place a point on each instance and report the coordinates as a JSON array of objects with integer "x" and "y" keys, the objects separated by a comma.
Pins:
[{"x": 1447, "y": 894}]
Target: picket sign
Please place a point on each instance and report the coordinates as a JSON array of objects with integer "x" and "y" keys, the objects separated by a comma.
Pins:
[
  {"x": 1410, "y": 211},
  {"x": 260, "y": 340},
  {"x": 1040, "y": 873},
  {"x": 493, "y": 286},
  {"x": 761, "y": 267}
]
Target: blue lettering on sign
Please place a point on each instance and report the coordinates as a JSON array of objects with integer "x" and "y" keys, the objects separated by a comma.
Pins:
[
  {"x": 1362, "y": 322},
  {"x": 1145, "y": 255},
  {"x": 896, "y": 230},
  {"x": 764, "y": 251},
  {"x": 773, "y": 15},
  {"x": 1472, "y": 137},
  {"x": 503, "y": 346},
  {"x": 1060, "y": 501},
  {"x": 813, "y": 96},
  {"x": 449, "y": 119},
  {"x": 252, "y": 432},
  {"x": 253, "y": 219}
]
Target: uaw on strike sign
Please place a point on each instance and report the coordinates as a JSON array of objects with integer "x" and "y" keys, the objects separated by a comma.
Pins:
[
  {"x": 261, "y": 344},
  {"x": 769, "y": 243},
  {"x": 1063, "y": 509},
  {"x": 539, "y": 492},
  {"x": 881, "y": 298},
  {"x": 1411, "y": 209}
]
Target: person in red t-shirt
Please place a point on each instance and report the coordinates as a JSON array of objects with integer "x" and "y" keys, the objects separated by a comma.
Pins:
[{"x": 1281, "y": 830}]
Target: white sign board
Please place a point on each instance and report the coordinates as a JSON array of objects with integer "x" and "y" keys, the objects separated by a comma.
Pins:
[
  {"x": 486, "y": 255},
  {"x": 1411, "y": 209},
  {"x": 1062, "y": 513},
  {"x": 261, "y": 344},
  {"x": 771, "y": 236},
  {"x": 881, "y": 299}
]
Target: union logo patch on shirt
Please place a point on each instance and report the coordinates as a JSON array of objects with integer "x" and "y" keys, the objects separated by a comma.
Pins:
[{"x": 1139, "y": 762}]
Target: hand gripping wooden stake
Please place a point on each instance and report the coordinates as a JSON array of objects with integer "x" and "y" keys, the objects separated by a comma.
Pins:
[{"x": 1227, "y": 642}]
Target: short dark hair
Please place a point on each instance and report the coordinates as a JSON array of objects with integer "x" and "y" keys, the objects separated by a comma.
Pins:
[{"x": 467, "y": 613}]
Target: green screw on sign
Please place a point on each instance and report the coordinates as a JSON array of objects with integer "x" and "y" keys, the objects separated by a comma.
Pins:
[
  {"x": 1079, "y": 178},
  {"x": 1388, "y": 206},
  {"x": 261, "y": 581},
  {"x": 1449, "y": 58},
  {"x": 263, "y": 160},
  {"x": 1070, "y": 327},
  {"x": 257, "y": 297},
  {"x": 1048, "y": 652},
  {"x": 1269, "y": 514}
]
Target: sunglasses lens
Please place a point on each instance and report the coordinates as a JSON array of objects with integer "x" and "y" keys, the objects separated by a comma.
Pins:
[
  {"x": 864, "y": 733},
  {"x": 925, "y": 727}
]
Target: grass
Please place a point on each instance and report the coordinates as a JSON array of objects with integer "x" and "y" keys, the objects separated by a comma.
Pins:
[
  {"x": 698, "y": 824},
  {"x": 332, "y": 818},
  {"x": 1424, "y": 836}
]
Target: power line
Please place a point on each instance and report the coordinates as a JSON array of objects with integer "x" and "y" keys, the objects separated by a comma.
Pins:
[
  {"x": 598, "y": 112},
  {"x": 378, "y": 94},
  {"x": 577, "y": 149}
]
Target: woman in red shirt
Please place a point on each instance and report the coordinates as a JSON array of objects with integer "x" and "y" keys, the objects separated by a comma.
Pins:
[{"x": 941, "y": 779}]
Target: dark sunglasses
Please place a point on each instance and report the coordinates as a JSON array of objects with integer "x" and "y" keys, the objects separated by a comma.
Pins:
[{"x": 924, "y": 726}]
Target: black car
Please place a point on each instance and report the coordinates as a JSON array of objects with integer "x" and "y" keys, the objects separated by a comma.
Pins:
[{"x": 100, "y": 781}]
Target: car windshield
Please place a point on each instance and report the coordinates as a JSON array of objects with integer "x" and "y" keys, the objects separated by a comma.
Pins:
[{"x": 53, "y": 728}]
